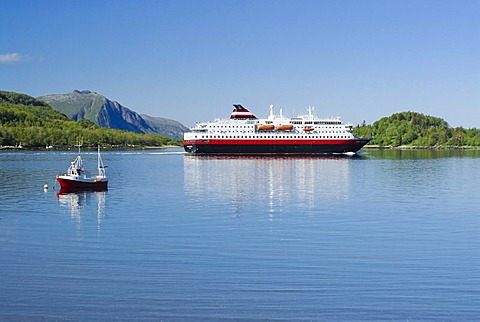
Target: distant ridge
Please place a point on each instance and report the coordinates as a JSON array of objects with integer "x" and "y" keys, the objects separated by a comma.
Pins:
[{"x": 104, "y": 112}]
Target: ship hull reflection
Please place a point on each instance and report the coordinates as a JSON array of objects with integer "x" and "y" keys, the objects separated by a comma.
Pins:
[{"x": 272, "y": 183}]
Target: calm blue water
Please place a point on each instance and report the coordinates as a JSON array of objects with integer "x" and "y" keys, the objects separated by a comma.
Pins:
[{"x": 391, "y": 235}]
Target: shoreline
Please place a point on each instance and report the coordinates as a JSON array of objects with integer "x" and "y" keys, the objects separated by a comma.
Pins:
[
  {"x": 68, "y": 148},
  {"x": 418, "y": 147},
  {"x": 140, "y": 147}
]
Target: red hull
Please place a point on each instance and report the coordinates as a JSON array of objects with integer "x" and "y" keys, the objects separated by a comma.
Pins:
[
  {"x": 82, "y": 185},
  {"x": 274, "y": 146}
]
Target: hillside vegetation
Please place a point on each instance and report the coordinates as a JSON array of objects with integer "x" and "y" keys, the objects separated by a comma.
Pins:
[
  {"x": 26, "y": 120},
  {"x": 416, "y": 129}
]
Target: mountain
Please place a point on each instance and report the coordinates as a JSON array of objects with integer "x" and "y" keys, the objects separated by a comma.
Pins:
[
  {"x": 31, "y": 123},
  {"x": 80, "y": 105}
]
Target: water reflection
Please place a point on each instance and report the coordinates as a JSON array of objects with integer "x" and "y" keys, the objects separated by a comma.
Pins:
[
  {"x": 267, "y": 181},
  {"x": 81, "y": 203},
  {"x": 421, "y": 154}
]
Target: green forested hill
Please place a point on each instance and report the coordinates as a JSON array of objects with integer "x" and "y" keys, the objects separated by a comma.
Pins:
[
  {"x": 26, "y": 120},
  {"x": 416, "y": 129}
]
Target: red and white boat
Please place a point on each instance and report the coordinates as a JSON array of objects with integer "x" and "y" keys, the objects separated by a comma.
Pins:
[
  {"x": 77, "y": 178},
  {"x": 244, "y": 133}
]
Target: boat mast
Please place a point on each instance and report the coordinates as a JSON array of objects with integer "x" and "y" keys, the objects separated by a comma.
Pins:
[
  {"x": 79, "y": 144},
  {"x": 101, "y": 167},
  {"x": 78, "y": 162}
]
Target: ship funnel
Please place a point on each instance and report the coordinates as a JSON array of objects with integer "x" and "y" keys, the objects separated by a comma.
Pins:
[{"x": 240, "y": 112}]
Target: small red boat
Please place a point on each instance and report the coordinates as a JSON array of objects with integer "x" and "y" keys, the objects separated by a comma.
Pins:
[{"x": 77, "y": 178}]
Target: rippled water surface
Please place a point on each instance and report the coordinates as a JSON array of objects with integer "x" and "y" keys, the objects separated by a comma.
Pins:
[{"x": 389, "y": 235}]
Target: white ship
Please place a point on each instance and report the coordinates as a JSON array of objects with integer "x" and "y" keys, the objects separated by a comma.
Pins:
[{"x": 244, "y": 133}]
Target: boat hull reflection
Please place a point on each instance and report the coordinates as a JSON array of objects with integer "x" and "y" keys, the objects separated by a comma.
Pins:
[{"x": 91, "y": 188}]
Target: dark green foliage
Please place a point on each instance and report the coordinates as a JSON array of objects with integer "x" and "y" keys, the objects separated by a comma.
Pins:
[
  {"x": 86, "y": 123},
  {"x": 22, "y": 99},
  {"x": 33, "y": 123},
  {"x": 415, "y": 129}
]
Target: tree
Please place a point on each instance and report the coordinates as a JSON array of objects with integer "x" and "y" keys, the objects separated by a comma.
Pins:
[{"x": 411, "y": 128}]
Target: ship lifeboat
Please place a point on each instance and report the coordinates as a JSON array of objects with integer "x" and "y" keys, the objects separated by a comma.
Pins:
[
  {"x": 308, "y": 129},
  {"x": 284, "y": 127},
  {"x": 265, "y": 127}
]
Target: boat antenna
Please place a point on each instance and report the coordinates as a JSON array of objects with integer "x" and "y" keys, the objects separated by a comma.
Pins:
[{"x": 79, "y": 144}]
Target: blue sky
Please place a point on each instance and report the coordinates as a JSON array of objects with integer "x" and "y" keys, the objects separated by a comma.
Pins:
[{"x": 191, "y": 60}]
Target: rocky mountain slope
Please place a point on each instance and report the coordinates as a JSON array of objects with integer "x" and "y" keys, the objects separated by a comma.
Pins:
[{"x": 104, "y": 112}]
